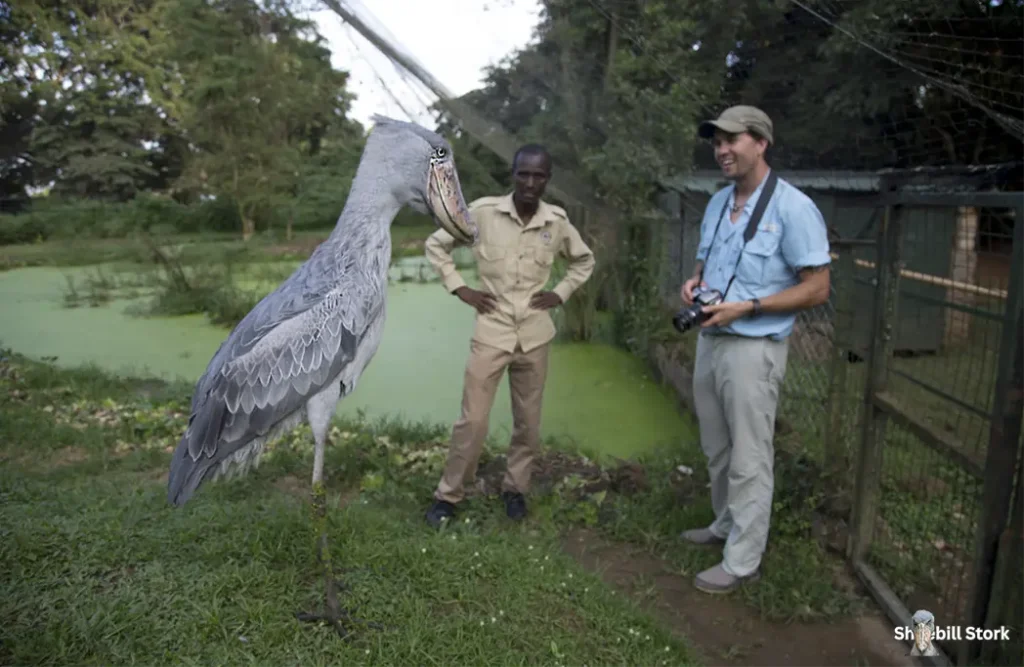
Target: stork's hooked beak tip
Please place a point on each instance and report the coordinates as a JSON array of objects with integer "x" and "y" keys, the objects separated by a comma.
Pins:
[{"x": 444, "y": 194}]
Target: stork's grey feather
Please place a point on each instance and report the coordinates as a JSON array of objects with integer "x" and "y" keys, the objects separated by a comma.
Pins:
[
  {"x": 312, "y": 337},
  {"x": 295, "y": 341}
]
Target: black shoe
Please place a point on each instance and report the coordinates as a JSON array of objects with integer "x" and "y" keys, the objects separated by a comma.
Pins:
[
  {"x": 440, "y": 512},
  {"x": 515, "y": 505}
]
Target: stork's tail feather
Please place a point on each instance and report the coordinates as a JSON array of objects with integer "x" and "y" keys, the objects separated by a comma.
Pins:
[
  {"x": 186, "y": 475},
  {"x": 192, "y": 464}
]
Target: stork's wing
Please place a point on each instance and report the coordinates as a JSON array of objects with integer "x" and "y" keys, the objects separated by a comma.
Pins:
[
  {"x": 312, "y": 286},
  {"x": 281, "y": 354},
  {"x": 273, "y": 378}
]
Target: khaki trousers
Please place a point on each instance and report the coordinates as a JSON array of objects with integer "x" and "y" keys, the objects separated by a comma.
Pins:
[
  {"x": 527, "y": 372},
  {"x": 736, "y": 392}
]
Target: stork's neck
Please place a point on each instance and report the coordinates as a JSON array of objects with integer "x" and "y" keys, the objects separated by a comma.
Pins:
[{"x": 363, "y": 231}]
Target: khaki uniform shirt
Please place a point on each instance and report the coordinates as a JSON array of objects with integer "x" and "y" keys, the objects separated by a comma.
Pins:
[{"x": 514, "y": 262}]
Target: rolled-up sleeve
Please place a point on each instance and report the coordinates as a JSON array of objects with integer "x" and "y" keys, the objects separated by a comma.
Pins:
[
  {"x": 438, "y": 250},
  {"x": 581, "y": 262},
  {"x": 805, "y": 236}
]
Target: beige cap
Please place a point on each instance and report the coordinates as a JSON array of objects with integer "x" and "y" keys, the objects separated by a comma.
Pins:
[{"x": 737, "y": 119}]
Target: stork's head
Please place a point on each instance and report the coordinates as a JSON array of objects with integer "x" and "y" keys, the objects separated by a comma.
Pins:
[
  {"x": 924, "y": 629},
  {"x": 422, "y": 175}
]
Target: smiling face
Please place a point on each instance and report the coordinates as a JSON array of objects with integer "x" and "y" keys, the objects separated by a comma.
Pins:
[{"x": 738, "y": 154}]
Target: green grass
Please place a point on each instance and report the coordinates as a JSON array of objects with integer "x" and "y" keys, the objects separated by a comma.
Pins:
[
  {"x": 96, "y": 568},
  {"x": 799, "y": 578}
]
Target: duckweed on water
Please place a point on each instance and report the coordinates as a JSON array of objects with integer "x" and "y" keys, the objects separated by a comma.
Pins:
[{"x": 596, "y": 394}]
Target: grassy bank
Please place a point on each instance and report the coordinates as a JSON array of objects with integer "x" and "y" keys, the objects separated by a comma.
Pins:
[{"x": 99, "y": 569}]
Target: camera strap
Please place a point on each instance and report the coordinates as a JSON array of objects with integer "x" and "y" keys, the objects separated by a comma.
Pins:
[{"x": 752, "y": 223}]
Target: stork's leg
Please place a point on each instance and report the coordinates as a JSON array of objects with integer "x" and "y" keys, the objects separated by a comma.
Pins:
[{"x": 319, "y": 411}]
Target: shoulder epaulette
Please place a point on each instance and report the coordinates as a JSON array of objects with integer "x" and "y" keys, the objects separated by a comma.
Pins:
[
  {"x": 559, "y": 211},
  {"x": 484, "y": 201}
]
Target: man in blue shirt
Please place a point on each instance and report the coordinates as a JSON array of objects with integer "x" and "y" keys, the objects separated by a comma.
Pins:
[{"x": 743, "y": 345}]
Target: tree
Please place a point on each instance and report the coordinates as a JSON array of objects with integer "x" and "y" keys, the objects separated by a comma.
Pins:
[
  {"x": 591, "y": 91},
  {"x": 617, "y": 88},
  {"x": 260, "y": 95},
  {"x": 85, "y": 81}
]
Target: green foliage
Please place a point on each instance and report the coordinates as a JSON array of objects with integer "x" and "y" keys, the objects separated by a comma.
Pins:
[
  {"x": 262, "y": 98},
  {"x": 642, "y": 314},
  {"x": 324, "y": 180},
  {"x": 233, "y": 99},
  {"x": 209, "y": 288},
  {"x": 237, "y": 98},
  {"x": 95, "y": 74},
  {"x": 53, "y": 218}
]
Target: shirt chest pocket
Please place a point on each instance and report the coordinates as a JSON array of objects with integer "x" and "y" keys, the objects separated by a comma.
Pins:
[
  {"x": 759, "y": 255},
  {"x": 537, "y": 264},
  {"x": 490, "y": 260},
  {"x": 537, "y": 254}
]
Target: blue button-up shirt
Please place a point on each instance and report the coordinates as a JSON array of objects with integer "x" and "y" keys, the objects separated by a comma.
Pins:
[{"x": 791, "y": 237}]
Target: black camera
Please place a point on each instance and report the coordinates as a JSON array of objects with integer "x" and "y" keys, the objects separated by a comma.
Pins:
[{"x": 693, "y": 315}]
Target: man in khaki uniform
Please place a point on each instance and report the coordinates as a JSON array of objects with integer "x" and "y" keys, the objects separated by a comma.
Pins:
[{"x": 519, "y": 236}]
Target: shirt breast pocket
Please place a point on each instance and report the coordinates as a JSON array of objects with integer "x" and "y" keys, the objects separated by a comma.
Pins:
[
  {"x": 759, "y": 254},
  {"x": 541, "y": 248},
  {"x": 490, "y": 260}
]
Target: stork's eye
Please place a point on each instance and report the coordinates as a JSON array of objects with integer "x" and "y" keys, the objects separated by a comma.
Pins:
[{"x": 440, "y": 152}]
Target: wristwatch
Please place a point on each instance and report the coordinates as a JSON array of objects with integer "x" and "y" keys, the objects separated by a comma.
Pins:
[{"x": 757, "y": 307}]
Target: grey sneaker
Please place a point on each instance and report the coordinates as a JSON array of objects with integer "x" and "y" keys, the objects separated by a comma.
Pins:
[
  {"x": 717, "y": 580},
  {"x": 701, "y": 536}
]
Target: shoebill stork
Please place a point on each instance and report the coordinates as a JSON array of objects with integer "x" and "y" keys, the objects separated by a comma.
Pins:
[{"x": 304, "y": 347}]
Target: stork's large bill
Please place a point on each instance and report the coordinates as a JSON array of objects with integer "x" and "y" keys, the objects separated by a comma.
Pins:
[{"x": 447, "y": 203}]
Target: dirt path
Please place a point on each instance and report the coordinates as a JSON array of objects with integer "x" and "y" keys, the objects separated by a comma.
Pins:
[{"x": 726, "y": 631}]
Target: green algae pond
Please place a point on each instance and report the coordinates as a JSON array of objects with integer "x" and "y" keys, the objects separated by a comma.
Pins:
[{"x": 598, "y": 397}]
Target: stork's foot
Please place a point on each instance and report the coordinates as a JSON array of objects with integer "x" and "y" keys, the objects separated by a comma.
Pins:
[
  {"x": 332, "y": 614},
  {"x": 335, "y": 615}
]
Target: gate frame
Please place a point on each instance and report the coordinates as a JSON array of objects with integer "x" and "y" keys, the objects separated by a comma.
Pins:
[{"x": 1004, "y": 448}]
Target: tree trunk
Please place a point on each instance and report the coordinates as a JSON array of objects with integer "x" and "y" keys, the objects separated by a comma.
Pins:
[
  {"x": 248, "y": 224},
  {"x": 613, "y": 46},
  {"x": 248, "y": 228}
]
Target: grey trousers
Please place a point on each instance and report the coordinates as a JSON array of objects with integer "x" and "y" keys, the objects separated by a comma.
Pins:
[{"x": 736, "y": 384}]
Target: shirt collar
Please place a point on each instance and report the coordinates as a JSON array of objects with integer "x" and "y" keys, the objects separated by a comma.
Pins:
[
  {"x": 754, "y": 196},
  {"x": 543, "y": 215}
]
